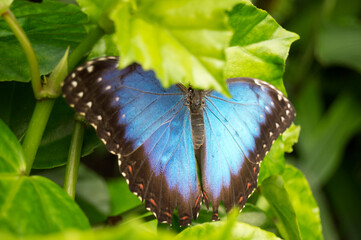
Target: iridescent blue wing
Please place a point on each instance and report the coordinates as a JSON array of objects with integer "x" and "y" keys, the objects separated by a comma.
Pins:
[
  {"x": 147, "y": 126},
  {"x": 239, "y": 131}
]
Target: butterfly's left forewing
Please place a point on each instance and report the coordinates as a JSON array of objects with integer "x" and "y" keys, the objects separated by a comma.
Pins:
[
  {"x": 147, "y": 126},
  {"x": 239, "y": 132}
]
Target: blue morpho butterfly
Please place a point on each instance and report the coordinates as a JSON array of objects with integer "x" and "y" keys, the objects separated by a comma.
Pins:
[{"x": 158, "y": 133}]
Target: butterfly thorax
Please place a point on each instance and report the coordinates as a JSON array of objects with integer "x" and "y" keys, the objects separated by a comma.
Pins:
[{"x": 195, "y": 102}]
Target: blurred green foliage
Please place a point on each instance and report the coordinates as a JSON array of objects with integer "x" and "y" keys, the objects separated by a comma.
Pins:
[
  {"x": 322, "y": 79},
  {"x": 324, "y": 83}
]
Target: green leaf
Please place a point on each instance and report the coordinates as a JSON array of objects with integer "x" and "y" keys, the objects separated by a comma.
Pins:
[
  {"x": 12, "y": 158},
  {"x": 35, "y": 205},
  {"x": 4, "y": 5},
  {"x": 340, "y": 45},
  {"x": 274, "y": 162},
  {"x": 99, "y": 11},
  {"x": 46, "y": 208},
  {"x": 31, "y": 205},
  {"x": 303, "y": 202},
  {"x": 255, "y": 216},
  {"x": 259, "y": 46},
  {"x": 53, "y": 149},
  {"x": 16, "y": 111},
  {"x": 121, "y": 197},
  {"x": 215, "y": 230},
  {"x": 51, "y": 27},
  {"x": 273, "y": 189},
  {"x": 130, "y": 230},
  {"x": 183, "y": 42},
  {"x": 104, "y": 47},
  {"x": 290, "y": 137},
  {"x": 92, "y": 189},
  {"x": 92, "y": 193},
  {"x": 95, "y": 8}
]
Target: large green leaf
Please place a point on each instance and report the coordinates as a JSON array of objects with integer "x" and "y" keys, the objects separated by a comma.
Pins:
[
  {"x": 16, "y": 106},
  {"x": 34, "y": 205},
  {"x": 92, "y": 193},
  {"x": 273, "y": 163},
  {"x": 31, "y": 205},
  {"x": 224, "y": 230},
  {"x": 259, "y": 46},
  {"x": 93, "y": 189},
  {"x": 130, "y": 230},
  {"x": 16, "y": 112},
  {"x": 98, "y": 12},
  {"x": 53, "y": 150},
  {"x": 122, "y": 199},
  {"x": 303, "y": 202},
  {"x": 182, "y": 41},
  {"x": 253, "y": 215},
  {"x": 51, "y": 27},
  {"x": 104, "y": 47},
  {"x": 11, "y": 154},
  {"x": 273, "y": 189}
]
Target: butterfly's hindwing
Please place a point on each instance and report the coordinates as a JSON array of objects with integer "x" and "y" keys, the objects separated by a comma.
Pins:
[
  {"x": 239, "y": 133},
  {"x": 147, "y": 126}
]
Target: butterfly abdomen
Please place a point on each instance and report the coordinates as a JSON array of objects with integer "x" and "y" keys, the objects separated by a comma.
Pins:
[
  {"x": 197, "y": 129},
  {"x": 195, "y": 102}
]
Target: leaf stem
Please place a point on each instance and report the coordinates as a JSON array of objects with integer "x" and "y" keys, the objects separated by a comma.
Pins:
[
  {"x": 43, "y": 107},
  {"x": 72, "y": 166},
  {"x": 84, "y": 47},
  {"x": 28, "y": 50},
  {"x": 35, "y": 130}
]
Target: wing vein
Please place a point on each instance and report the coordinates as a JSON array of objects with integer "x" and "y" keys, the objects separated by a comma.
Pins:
[
  {"x": 152, "y": 173},
  {"x": 153, "y": 93},
  {"x": 165, "y": 122},
  {"x": 240, "y": 148}
]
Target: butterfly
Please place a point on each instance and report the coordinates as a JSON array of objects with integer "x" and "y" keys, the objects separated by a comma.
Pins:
[{"x": 180, "y": 146}]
